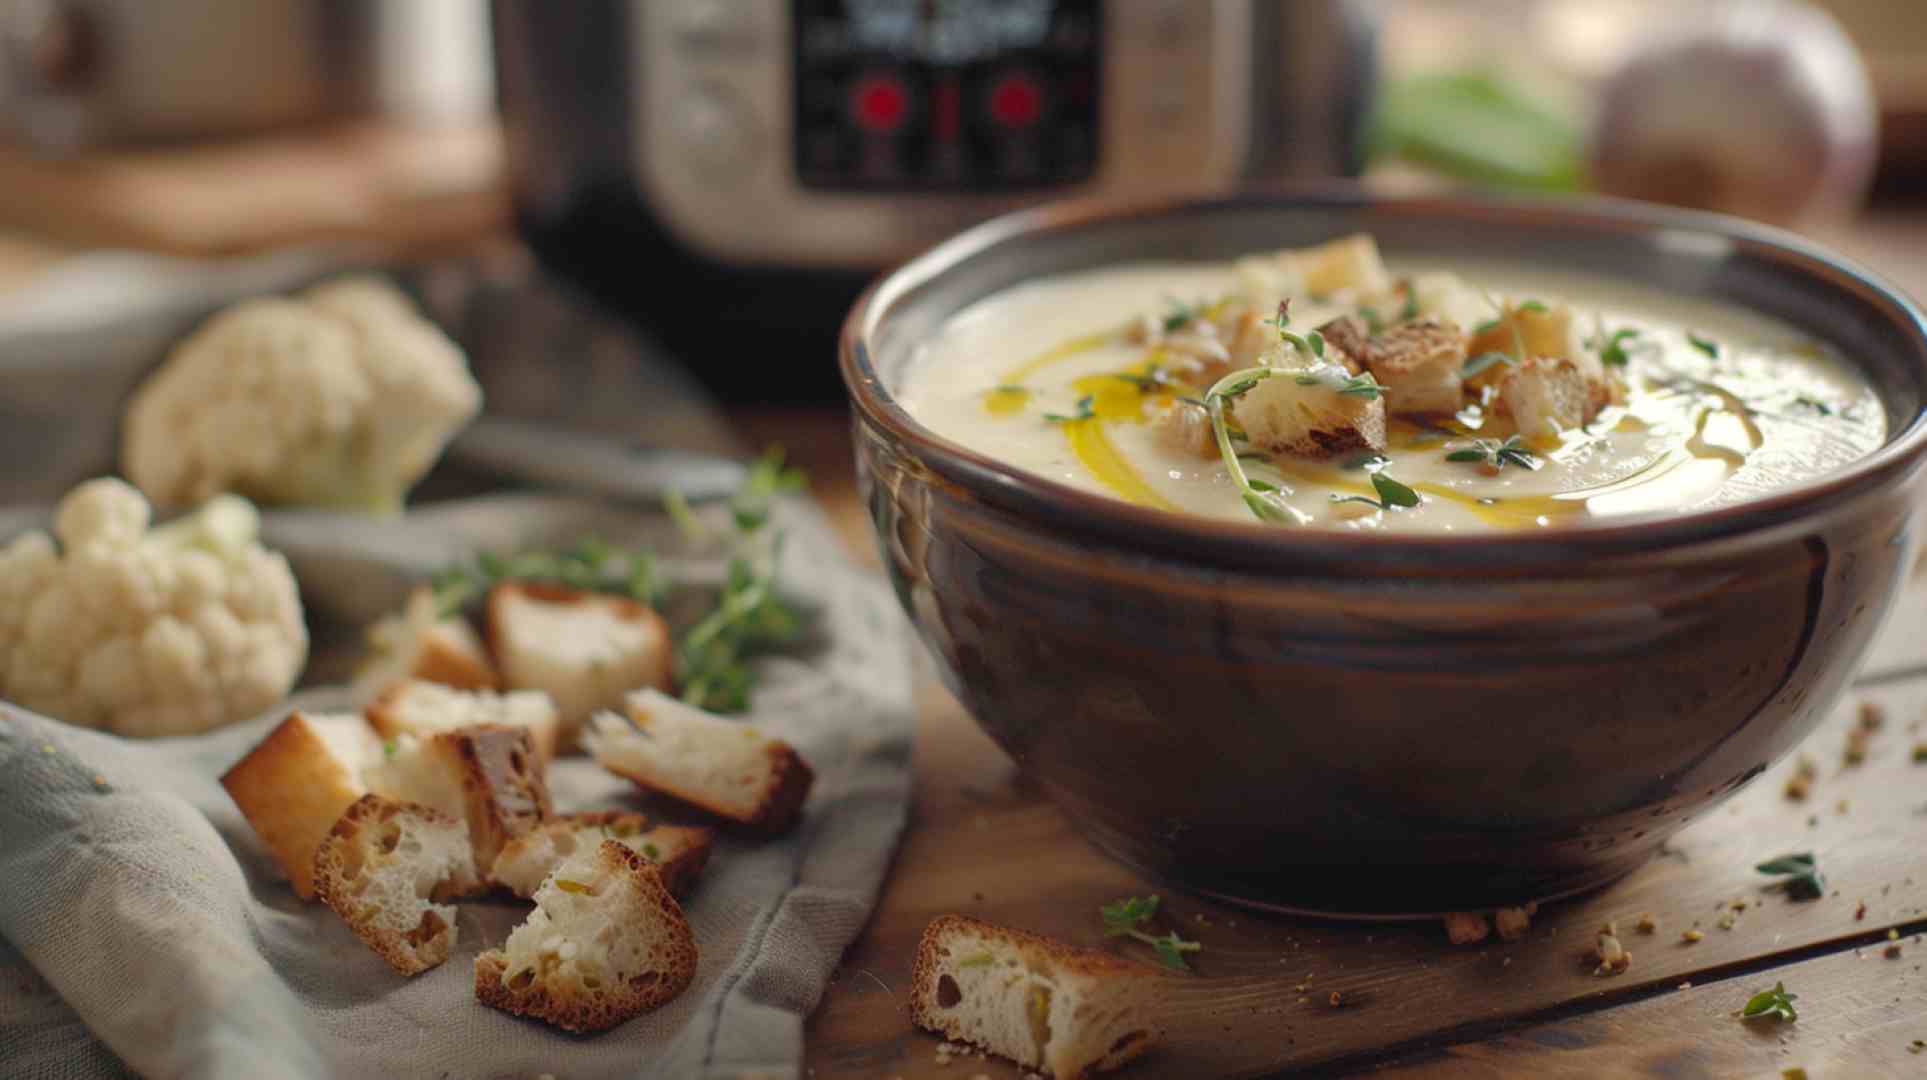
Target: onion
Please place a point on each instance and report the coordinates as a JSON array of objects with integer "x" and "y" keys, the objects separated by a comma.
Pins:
[{"x": 1761, "y": 108}]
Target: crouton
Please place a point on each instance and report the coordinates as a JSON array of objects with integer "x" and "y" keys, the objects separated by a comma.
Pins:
[
  {"x": 423, "y": 709},
  {"x": 1546, "y": 396},
  {"x": 1350, "y": 336},
  {"x": 1466, "y": 927},
  {"x": 585, "y": 649},
  {"x": 488, "y": 776},
  {"x": 723, "y": 766},
  {"x": 1246, "y": 335},
  {"x": 1184, "y": 428},
  {"x": 1064, "y": 1011},
  {"x": 1421, "y": 365},
  {"x": 382, "y": 867},
  {"x": 420, "y": 644},
  {"x": 606, "y": 942},
  {"x": 296, "y": 784},
  {"x": 1540, "y": 329},
  {"x": 1304, "y": 413},
  {"x": 679, "y": 851},
  {"x": 1349, "y": 263}
]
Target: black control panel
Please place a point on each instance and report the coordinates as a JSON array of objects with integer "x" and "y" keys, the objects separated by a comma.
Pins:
[{"x": 945, "y": 94}]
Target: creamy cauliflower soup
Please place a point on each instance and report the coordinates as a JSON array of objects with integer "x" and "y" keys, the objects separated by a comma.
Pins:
[{"x": 1320, "y": 387}]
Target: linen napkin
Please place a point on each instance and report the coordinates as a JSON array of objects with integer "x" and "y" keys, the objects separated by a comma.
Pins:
[{"x": 146, "y": 928}]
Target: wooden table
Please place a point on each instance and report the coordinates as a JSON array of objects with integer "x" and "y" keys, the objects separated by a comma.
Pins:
[{"x": 982, "y": 842}]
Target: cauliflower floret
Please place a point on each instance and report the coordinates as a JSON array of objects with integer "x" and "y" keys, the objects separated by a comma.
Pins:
[
  {"x": 140, "y": 631},
  {"x": 343, "y": 398}
]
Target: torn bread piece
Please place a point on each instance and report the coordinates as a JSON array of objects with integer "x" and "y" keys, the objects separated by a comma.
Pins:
[
  {"x": 422, "y": 709},
  {"x": 296, "y": 784},
  {"x": 1546, "y": 396},
  {"x": 1064, "y": 1011},
  {"x": 585, "y": 649},
  {"x": 605, "y": 943},
  {"x": 420, "y": 644},
  {"x": 1421, "y": 364},
  {"x": 679, "y": 851},
  {"x": 487, "y": 776},
  {"x": 723, "y": 766},
  {"x": 1184, "y": 428},
  {"x": 382, "y": 868},
  {"x": 1305, "y": 412}
]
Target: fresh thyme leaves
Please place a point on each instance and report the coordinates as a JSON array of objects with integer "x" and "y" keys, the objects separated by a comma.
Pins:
[
  {"x": 676, "y": 505},
  {"x": 1533, "y": 306},
  {"x": 1612, "y": 348},
  {"x": 1181, "y": 313},
  {"x": 389, "y": 748},
  {"x": 711, "y": 658},
  {"x": 591, "y": 565},
  {"x": 1152, "y": 379},
  {"x": 1128, "y": 917},
  {"x": 1374, "y": 322},
  {"x": 1365, "y": 386},
  {"x": 1484, "y": 361},
  {"x": 1083, "y": 412},
  {"x": 1312, "y": 344},
  {"x": 1808, "y": 402},
  {"x": 1803, "y": 878},
  {"x": 1706, "y": 345},
  {"x": 1496, "y": 454},
  {"x": 1774, "y": 1004},
  {"x": 767, "y": 478},
  {"x": 1390, "y": 493},
  {"x": 1265, "y": 505}
]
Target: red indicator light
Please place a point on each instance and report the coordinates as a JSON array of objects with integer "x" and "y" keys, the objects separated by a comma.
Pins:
[
  {"x": 879, "y": 103},
  {"x": 1016, "y": 101}
]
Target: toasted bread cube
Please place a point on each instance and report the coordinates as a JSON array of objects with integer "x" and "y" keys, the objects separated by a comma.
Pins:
[
  {"x": 606, "y": 942},
  {"x": 487, "y": 776},
  {"x": 585, "y": 649},
  {"x": 723, "y": 766},
  {"x": 1421, "y": 365},
  {"x": 422, "y": 709},
  {"x": 419, "y": 644},
  {"x": 1347, "y": 263},
  {"x": 1246, "y": 335},
  {"x": 296, "y": 784},
  {"x": 1184, "y": 428},
  {"x": 679, "y": 851},
  {"x": 1064, "y": 1011},
  {"x": 1351, "y": 337},
  {"x": 1285, "y": 415},
  {"x": 1542, "y": 330},
  {"x": 382, "y": 867},
  {"x": 1545, "y": 397}
]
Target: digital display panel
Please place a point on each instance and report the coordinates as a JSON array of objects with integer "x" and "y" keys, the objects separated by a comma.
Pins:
[{"x": 945, "y": 94}]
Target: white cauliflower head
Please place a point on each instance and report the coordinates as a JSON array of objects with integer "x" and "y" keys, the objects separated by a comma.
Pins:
[
  {"x": 140, "y": 631},
  {"x": 342, "y": 398}
]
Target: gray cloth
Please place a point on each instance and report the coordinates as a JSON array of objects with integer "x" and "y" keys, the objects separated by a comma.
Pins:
[{"x": 146, "y": 924}]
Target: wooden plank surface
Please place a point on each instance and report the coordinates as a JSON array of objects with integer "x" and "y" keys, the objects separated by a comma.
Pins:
[{"x": 983, "y": 843}]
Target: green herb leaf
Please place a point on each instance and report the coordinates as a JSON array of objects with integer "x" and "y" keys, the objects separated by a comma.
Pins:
[
  {"x": 1484, "y": 361},
  {"x": 1706, "y": 345},
  {"x": 1365, "y": 386},
  {"x": 1803, "y": 878},
  {"x": 1612, "y": 351},
  {"x": 1486, "y": 325},
  {"x": 1181, "y": 313},
  {"x": 1127, "y": 918},
  {"x": 1260, "y": 485},
  {"x": 1815, "y": 404},
  {"x": 389, "y": 748},
  {"x": 591, "y": 565},
  {"x": 1317, "y": 342},
  {"x": 1393, "y": 492},
  {"x": 1533, "y": 306},
  {"x": 1083, "y": 412},
  {"x": 652, "y": 851},
  {"x": 1374, "y": 322},
  {"x": 767, "y": 478},
  {"x": 1470, "y": 453},
  {"x": 1409, "y": 311},
  {"x": 1774, "y": 1004}
]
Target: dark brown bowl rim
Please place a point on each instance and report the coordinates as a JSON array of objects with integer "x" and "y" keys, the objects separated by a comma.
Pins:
[{"x": 1202, "y": 538}]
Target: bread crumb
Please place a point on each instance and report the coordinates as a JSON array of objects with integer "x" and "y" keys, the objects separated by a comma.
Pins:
[
  {"x": 1686, "y": 986},
  {"x": 1336, "y": 999},
  {"x": 1841, "y": 806},
  {"x": 1727, "y": 920},
  {"x": 1513, "y": 922},
  {"x": 1691, "y": 936},
  {"x": 1860, "y": 912},
  {"x": 1891, "y": 952},
  {"x": 1872, "y": 716},
  {"x": 1794, "y": 1073},
  {"x": 1647, "y": 924},
  {"x": 1857, "y": 740},
  {"x": 1893, "y": 934},
  {"x": 1920, "y": 753},
  {"x": 1466, "y": 927},
  {"x": 1798, "y": 787},
  {"x": 1613, "y": 957}
]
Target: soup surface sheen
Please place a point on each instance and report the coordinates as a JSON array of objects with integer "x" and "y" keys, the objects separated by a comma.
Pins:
[{"x": 1564, "y": 397}]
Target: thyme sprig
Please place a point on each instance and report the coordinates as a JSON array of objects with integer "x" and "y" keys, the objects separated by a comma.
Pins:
[
  {"x": 1128, "y": 917},
  {"x": 1263, "y": 500},
  {"x": 1497, "y": 454},
  {"x": 1391, "y": 493},
  {"x": 592, "y": 565}
]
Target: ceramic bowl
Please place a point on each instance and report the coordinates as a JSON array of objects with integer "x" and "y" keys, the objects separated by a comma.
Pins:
[{"x": 1388, "y": 725}]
